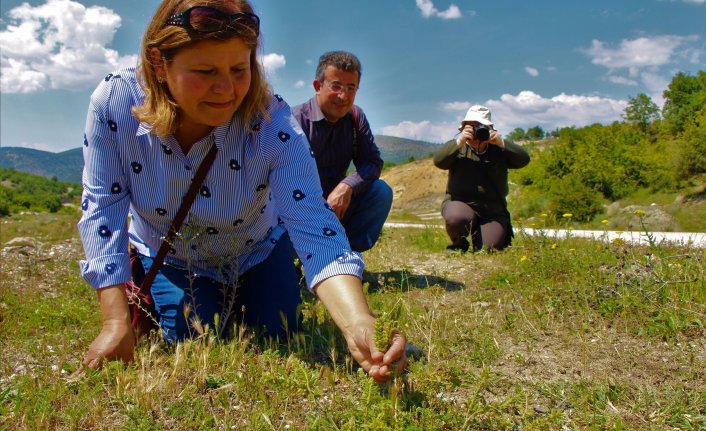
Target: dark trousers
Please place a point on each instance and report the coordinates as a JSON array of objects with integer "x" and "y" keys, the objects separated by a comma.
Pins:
[{"x": 461, "y": 220}]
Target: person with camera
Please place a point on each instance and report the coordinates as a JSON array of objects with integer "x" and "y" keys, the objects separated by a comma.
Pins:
[
  {"x": 195, "y": 134},
  {"x": 478, "y": 161},
  {"x": 339, "y": 133}
]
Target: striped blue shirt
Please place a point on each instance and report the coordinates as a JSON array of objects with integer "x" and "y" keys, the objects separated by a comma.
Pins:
[{"x": 262, "y": 182}]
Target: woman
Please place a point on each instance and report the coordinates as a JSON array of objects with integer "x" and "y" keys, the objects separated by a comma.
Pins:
[
  {"x": 199, "y": 84},
  {"x": 477, "y": 161}
]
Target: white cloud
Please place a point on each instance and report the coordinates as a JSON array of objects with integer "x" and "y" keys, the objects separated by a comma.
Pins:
[
  {"x": 531, "y": 71},
  {"x": 422, "y": 131},
  {"x": 526, "y": 109},
  {"x": 455, "y": 106},
  {"x": 299, "y": 84},
  {"x": 428, "y": 10},
  {"x": 272, "y": 62},
  {"x": 646, "y": 61},
  {"x": 695, "y": 1},
  {"x": 637, "y": 53},
  {"x": 60, "y": 44}
]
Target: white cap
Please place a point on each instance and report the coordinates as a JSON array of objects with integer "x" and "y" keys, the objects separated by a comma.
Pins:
[{"x": 478, "y": 113}]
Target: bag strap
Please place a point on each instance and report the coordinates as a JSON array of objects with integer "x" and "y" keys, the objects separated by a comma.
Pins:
[
  {"x": 356, "y": 132},
  {"x": 179, "y": 217}
]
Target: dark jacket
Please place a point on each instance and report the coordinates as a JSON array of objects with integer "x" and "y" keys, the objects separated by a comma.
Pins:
[{"x": 480, "y": 180}]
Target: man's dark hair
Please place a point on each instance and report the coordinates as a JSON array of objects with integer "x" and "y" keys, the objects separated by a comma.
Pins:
[{"x": 342, "y": 60}]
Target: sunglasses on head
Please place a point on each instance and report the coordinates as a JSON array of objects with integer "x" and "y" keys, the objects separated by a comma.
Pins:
[{"x": 204, "y": 19}]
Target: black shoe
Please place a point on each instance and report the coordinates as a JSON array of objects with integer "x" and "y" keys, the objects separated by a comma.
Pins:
[{"x": 462, "y": 246}]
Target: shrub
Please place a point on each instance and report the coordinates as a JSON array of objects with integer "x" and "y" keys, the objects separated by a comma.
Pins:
[{"x": 570, "y": 195}]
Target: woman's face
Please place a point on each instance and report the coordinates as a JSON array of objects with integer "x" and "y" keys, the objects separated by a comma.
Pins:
[{"x": 208, "y": 80}]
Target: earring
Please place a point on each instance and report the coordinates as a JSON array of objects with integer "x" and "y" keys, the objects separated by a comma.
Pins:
[{"x": 160, "y": 80}]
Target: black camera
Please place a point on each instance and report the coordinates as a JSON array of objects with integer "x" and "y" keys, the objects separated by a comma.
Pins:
[{"x": 481, "y": 132}]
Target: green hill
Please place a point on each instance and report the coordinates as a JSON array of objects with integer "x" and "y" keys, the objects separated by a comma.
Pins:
[
  {"x": 20, "y": 191},
  {"x": 65, "y": 166},
  {"x": 398, "y": 150}
]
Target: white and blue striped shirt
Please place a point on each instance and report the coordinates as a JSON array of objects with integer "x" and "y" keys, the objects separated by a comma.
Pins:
[{"x": 262, "y": 182}]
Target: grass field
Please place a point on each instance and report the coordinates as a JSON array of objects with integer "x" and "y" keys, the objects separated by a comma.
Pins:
[{"x": 548, "y": 335}]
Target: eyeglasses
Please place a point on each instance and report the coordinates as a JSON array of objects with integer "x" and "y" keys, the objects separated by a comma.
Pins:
[
  {"x": 337, "y": 87},
  {"x": 204, "y": 19}
]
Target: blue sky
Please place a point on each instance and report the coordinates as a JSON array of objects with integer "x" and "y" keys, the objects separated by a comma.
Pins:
[{"x": 552, "y": 63}]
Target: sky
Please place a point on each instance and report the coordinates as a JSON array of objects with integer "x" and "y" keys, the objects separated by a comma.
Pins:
[{"x": 547, "y": 63}]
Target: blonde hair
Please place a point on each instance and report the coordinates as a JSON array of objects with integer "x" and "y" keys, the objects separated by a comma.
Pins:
[{"x": 158, "y": 109}]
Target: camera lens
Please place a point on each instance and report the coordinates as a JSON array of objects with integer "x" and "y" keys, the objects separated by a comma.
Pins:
[{"x": 482, "y": 133}]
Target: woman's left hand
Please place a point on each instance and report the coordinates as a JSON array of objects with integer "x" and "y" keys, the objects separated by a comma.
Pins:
[
  {"x": 379, "y": 366},
  {"x": 496, "y": 139}
]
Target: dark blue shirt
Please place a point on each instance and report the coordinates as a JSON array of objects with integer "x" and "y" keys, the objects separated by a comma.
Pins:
[{"x": 334, "y": 148}]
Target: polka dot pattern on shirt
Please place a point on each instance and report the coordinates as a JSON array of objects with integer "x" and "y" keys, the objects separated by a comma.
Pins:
[{"x": 261, "y": 184}]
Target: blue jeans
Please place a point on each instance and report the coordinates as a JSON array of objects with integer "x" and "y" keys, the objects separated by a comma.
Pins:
[
  {"x": 366, "y": 215},
  {"x": 267, "y": 295}
]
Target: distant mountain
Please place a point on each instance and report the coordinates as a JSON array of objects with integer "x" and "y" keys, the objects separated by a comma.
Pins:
[
  {"x": 397, "y": 150},
  {"x": 65, "y": 166}
]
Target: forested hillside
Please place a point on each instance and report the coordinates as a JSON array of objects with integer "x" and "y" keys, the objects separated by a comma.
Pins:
[
  {"x": 20, "y": 191},
  {"x": 396, "y": 150},
  {"x": 65, "y": 166},
  {"x": 581, "y": 170}
]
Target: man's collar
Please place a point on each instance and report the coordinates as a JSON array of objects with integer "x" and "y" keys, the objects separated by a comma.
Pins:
[{"x": 316, "y": 113}]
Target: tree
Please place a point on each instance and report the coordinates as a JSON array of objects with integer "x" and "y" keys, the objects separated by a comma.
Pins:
[
  {"x": 516, "y": 135},
  {"x": 642, "y": 111},
  {"x": 535, "y": 133},
  {"x": 691, "y": 153},
  {"x": 684, "y": 98}
]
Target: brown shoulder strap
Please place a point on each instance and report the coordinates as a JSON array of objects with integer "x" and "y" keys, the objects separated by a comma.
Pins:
[
  {"x": 179, "y": 217},
  {"x": 356, "y": 131}
]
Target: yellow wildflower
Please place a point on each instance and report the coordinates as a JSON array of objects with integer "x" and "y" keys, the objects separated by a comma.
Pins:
[{"x": 567, "y": 215}]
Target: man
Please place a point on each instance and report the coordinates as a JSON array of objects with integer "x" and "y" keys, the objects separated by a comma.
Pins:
[{"x": 339, "y": 133}]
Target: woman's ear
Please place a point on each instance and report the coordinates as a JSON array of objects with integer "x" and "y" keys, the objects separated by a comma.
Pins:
[{"x": 157, "y": 63}]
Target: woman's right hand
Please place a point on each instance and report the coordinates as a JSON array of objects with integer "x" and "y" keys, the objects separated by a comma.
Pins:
[
  {"x": 116, "y": 341},
  {"x": 465, "y": 137}
]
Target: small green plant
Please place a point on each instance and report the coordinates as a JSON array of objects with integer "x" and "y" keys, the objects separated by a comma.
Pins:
[{"x": 385, "y": 326}]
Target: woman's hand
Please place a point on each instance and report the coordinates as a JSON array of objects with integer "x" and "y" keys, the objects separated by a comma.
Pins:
[
  {"x": 116, "y": 341},
  {"x": 466, "y": 136},
  {"x": 343, "y": 297},
  {"x": 496, "y": 139},
  {"x": 361, "y": 344}
]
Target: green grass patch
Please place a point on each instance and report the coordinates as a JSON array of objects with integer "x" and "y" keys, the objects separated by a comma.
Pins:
[{"x": 549, "y": 334}]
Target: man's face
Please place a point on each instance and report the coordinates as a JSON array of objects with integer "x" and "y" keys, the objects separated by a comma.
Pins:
[{"x": 336, "y": 93}]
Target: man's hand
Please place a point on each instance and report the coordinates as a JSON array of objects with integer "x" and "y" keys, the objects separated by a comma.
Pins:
[{"x": 340, "y": 198}]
